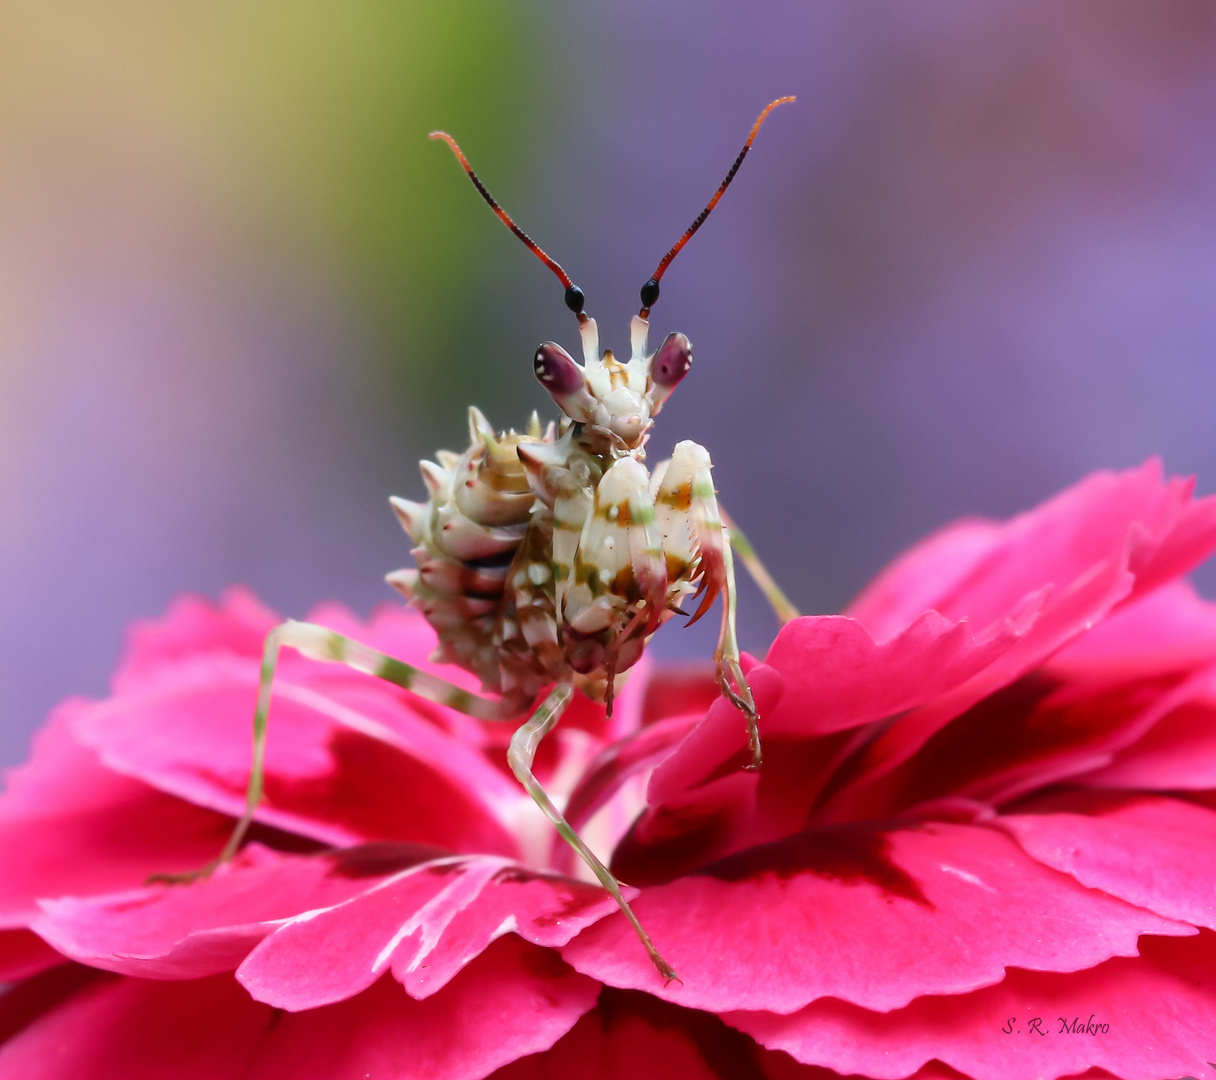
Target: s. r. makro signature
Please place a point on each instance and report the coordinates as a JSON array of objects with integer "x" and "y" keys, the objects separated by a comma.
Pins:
[{"x": 1036, "y": 1025}]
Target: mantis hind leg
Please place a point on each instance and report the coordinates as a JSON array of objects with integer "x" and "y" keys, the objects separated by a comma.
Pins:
[
  {"x": 778, "y": 601},
  {"x": 520, "y": 756},
  {"x": 318, "y": 643},
  {"x": 726, "y": 657}
]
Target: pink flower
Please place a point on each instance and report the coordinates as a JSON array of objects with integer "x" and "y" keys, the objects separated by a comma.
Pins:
[{"x": 983, "y": 843}]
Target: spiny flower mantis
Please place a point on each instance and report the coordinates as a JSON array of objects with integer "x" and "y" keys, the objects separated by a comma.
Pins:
[{"x": 547, "y": 559}]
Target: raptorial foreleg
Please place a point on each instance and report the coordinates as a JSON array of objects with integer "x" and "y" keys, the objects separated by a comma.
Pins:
[
  {"x": 520, "y": 756},
  {"x": 619, "y": 571},
  {"x": 319, "y": 643},
  {"x": 693, "y": 534}
]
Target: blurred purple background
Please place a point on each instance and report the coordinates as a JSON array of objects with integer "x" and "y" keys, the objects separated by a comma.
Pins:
[{"x": 241, "y": 294}]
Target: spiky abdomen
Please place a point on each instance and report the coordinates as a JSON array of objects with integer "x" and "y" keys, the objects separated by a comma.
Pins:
[{"x": 466, "y": 537}]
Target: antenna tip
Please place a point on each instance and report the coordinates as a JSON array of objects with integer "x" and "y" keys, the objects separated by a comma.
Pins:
[
  {"x": 768, "y": 109},
  {"x": 452, "y": 145}
]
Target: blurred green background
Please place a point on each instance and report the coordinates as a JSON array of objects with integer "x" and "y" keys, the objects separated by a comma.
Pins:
[{"x": 241, "y": 293}]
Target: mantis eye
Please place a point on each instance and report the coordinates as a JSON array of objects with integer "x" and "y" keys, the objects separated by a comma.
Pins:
[
  {"x": 671, "y": 363},
  {"x": 556, "y": 370}
]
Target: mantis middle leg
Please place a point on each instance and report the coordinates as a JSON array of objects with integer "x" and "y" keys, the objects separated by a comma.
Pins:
[{"x": 319, "y": 643}]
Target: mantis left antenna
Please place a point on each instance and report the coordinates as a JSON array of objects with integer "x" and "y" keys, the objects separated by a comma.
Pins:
[{"x": 575, "y": 300}]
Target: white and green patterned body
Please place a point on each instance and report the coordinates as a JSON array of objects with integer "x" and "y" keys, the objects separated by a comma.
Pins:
[{"x": 555, "y": 557}]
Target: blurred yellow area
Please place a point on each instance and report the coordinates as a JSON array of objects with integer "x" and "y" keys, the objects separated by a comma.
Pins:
[{"x": 205, "y": 129}]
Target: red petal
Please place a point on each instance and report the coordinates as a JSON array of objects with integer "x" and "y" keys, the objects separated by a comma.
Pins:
[
  {"x": 701, "y": 801},
  {"x": 716, "y": 741},
  {"x": 401, "y": 632},
  {"x": 425, "y": 924},
  {"x": 209, "y": 926},
  {"x": 1038, "y": 731},
  {"x": 334, "y": 773},
  {"x": 70, "y": 826},
  {"x": 193, "y": 625},
  {"x": 1088, "y": 544},
  {"x": 823, "y": 675},
  {"x": 22, "y": 1004},
  {"x": 1067, "y": 615},
  {"x": 516, "y": 1000},
  {"x": 836, "y": 676},
  {"x": 632, "y": 1036},
  {"x": 237, "y": 626},
  {"x": 980, "y": 570},
  {"x": 1187, "y": 543},
  {"x": 1177, "y": 753},
  {"x": 876, "y": 918},
  {"x": 23, "y": 954},
  {"x": 679, "y": 688},
  {"x": 1155, "y": 1015},
  {"x": 623, "y": 759},
  {"x": 916, "y": 581},
  {"x": 1172, "y": 629},
  {"x": 1158, "y": 853}
]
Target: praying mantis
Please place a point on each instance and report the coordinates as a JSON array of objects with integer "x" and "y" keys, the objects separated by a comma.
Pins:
[{"x": 547, "y": 559}]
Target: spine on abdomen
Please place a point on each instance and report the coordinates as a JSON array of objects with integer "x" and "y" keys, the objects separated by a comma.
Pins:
[{"x": 465, "y": 536}]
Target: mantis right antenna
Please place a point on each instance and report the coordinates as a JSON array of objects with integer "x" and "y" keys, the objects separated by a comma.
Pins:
[{"x": 650, "y": 291}]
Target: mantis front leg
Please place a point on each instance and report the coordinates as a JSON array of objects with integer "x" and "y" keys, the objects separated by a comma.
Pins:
[{"x": 692, "y": 528}]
